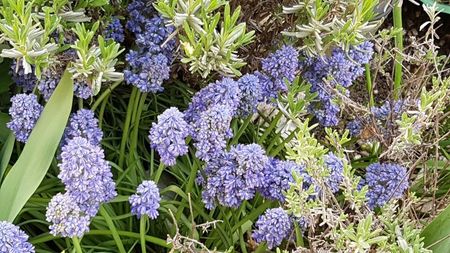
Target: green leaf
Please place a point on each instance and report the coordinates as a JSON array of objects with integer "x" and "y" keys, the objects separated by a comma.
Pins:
[
  {"x": 437, "y": 233},
  {"x": 28, "y": 172},
  {"x": 5, "y": 154},
  {"x": 4, "y": 131}
]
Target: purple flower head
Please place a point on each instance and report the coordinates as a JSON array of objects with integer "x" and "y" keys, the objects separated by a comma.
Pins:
[
  {"x": 168, "y": 136},
  {"x": 48, "y": 82},
  {"x": 386, "y": 181},
  {"x": 235, "y": 176},
  {"x": 115, "y": 30},
  {"x": 212, "y": 131},
  {"x": 83, "y": 124},
  {"x": 13, "y": 239},
  {"x": 147, "y": 71},
  {"x": 146, "y": 200},
  {"x": 273, "y": 227},
  {"x": 223, "y": 92},
  {"x": 24, "y": 111},
  {"x": 86, "y": 175},
  {"x": 81, "y": 89},
  {"x": 251, "y": 94},
  {"x": 389, "y": 109},
  {"x": 25, "y": 81},
  {"x": 155, "y": 36},
  {"x": 336, "y": 168},
  {"x": 278, "y": 66},
  {"x": 327, "y": 72},
  {"x": 66, "y": 217},
  {"x": 354, "y": 127},
  {"x": 138, "y": 12},
  {"x": 279, "y": 176},
  {"x": 251, "y": 160}
]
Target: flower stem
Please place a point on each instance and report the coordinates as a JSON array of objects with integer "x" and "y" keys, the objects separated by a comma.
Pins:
[
  {"x": 369, "y": 86},
  {"x": 399, "y": 45},
  {"x": 142, "y": 232},
  {"x": 126, "y": 127},
  {"x": 77, "y": 245}
]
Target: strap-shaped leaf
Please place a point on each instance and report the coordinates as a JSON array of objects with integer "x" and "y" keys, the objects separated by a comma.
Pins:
[{"x": 27, "y": 173}]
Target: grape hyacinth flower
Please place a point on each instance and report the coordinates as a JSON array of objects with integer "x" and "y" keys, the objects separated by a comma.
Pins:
[
  {"x": 212, "y": 132},
  {"x": 235, "y": 176},
  {"x": 276, "y": 67},
  {"x": 25, "y": 111},
  {"x": 82, "y": 89},
  {"x": 83, "y": 124},
  {"x": 146, "y": 200},
  {"x": 251, "y": 94},
  {"x": 273, "y": 227},
  {"x": 48, "y": 82},
  {"x": 278, "y": 176},
  {"x": 385, "y": 181},
  {"x": 326, "y": 73},
  {"x": 66, "y": 217},
  {"x": 336, "y": 168},
  {"x": 86, "y": 175},
  {"x": 13, "y": 239},
  {"x": 149, "y": 65},
  {"x": 115, "y": 30},
  {"x": 168, "y": 136},
  {"x": 26, "y": 81},
  {"x": 223, "y": 92},
  {"x": 148, "y": 71}
]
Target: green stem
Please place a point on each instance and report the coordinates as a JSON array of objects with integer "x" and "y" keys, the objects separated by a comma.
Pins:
[
  {"x": 369, "y": 86},
  {"x": 142, "y": 232},
  {"x": 77, "y": 245},
  {"x": 113, "y": 229},
  {"x": 126, "y": 127},
  {"x": 158, "y": 172},
  {"x": 399, "y": 45},
  {"x": 104, "y": 95}
]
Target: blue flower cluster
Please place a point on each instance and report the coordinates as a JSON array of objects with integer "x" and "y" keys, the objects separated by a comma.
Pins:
[
  {"x": 83, "y": 124},
  {"x": 149, "y": 66},
  {"x": 384, "y": 117},
  {"x": 86, "y": 175},
  {"x": 336, "y": 169},
  {"x": 273, "y": 227},
  {"x": 168, "y": 136},
  {"x": 146, "y": 200},
  {"x": 212, "y": 132},
  {"x": 237, "y": 175},
  {"x": 12, "y": 239},
  {"x": 234, "y": 176},
  {"x": 278, "y": 66},
  {"x": 26, "y": 81},
  {"x": 24, "y": 111},
  {"x": 66, "y": 217},
  {"x": 115, "y": 30},
  {"x": 81, "y": 88},
  {"x": 386, "y": 181},
  {"x": 326, "y": 73},
  {"x": 278, "y": 176},
  {"x": 251, "y": 93},
  {"x": 48, "y": 82}
]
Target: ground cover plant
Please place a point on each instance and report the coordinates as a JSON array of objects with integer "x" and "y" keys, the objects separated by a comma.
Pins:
[{"x": 223, "y": 126}]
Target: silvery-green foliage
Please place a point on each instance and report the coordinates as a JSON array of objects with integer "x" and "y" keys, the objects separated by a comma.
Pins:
[
  {"x": 359, "y": 238},
  {"x": 96, "y": 61},
  {"x": 325, "y": 24},
  {"x": 207, "y": 46},
  {"x": 403, "y": 236},
  {"x": 413, "y": 123},
  {"x": 28, "y": 37}
]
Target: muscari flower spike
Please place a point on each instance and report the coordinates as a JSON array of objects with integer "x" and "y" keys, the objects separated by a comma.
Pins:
[
  {"x": 336, "y": 168},
  {"x": 385, "y": 181},
  {"x": 24, "y": 111},
  {"x": 86, "y": 175},
  {"x": 146, "y": 200},
  {"x": 273, "y": 227},
  {"x": 250, "y": 93},
  {"x": 115, "y": 30},
  {"x": 168, "y": 136},
  {"x": 83, "y": 124},
  {"x": 13, "y": 239},
  {"x": 66, "y": 217},
  {"x": 26, "y": 81}
]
